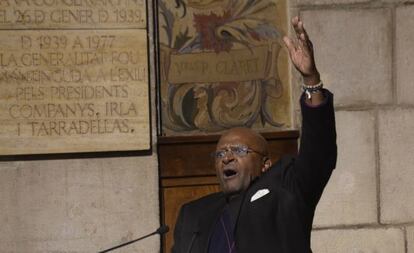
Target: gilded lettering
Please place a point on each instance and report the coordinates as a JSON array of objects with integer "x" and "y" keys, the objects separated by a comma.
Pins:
[
  {"x": 79, "y": 127},
  {"x": 77, "y": 43},
  {"x": 122, "y": 109},
  {"x": 4, "y": 19},
  {"x": 8, "y": 60}
]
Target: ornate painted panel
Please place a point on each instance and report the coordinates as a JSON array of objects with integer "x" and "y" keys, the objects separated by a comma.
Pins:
[{"x": 222, "y": 64}]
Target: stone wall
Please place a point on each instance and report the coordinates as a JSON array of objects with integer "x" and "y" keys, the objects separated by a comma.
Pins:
[
  {"x": 364, "y": 50},
  {"x": 77, "y": 205},
  {"x": 365, "y": 55},
  {"x": 81, "y": 205}
]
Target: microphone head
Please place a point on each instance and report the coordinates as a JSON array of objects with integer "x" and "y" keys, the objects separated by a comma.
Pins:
[{"x": 163, "y": 229}]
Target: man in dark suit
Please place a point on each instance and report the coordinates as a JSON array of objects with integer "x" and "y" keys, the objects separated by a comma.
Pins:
[{"x": 264, "y": 208}]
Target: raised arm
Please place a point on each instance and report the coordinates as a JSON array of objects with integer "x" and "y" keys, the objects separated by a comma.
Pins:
[
  {"x": 317, "y": 153},
  {"x": 301, "y": 54}
]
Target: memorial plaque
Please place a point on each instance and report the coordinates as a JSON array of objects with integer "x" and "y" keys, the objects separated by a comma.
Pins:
[
  {"x": 72, "y": 14},
  {"x": 73, "y": 90}
]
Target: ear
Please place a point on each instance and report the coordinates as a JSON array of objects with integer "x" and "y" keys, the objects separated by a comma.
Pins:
[{"x": 267, "y": 163}]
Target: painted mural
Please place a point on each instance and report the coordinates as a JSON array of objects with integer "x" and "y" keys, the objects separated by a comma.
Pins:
[{"x": 222, "y": 65}]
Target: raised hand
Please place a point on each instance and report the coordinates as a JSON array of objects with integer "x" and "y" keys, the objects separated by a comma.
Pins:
[{"x": 301, "y": 53}]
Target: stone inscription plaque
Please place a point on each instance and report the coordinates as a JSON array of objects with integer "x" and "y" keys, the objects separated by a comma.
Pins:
[
  {"x": 17, "y": 14},
  {"x": 73, "y": 91}
]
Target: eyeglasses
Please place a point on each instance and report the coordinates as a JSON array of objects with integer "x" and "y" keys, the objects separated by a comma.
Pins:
[{"x": 237, "y": 150}]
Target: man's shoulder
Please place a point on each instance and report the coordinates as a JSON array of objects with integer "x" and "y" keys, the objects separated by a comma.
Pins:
[
  {"x": 281, "y": 166},
  {"x": 278, "y": 176}
]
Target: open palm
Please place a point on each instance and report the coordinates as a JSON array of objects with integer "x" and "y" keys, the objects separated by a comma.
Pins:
[{"x": 301, "y": 53}]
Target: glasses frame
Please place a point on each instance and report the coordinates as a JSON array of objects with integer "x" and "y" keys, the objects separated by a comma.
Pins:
[{"x": 232, "y": 149}]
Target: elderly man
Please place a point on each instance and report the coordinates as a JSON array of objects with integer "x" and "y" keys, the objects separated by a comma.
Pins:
[{"x": 264, "y": 208}]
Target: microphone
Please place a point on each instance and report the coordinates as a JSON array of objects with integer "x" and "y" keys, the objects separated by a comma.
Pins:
[{"x": 161, "y": 230}]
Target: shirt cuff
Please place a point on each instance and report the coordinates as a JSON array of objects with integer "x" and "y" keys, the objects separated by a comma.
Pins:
[{"x": 325, "y": 94}]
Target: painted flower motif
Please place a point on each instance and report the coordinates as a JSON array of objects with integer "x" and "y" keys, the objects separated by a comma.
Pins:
[
  {"x": 211, "y": 107},
  {"x": 207, "y": 27}
]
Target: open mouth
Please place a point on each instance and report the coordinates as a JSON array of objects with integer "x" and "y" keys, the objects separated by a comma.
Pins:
[{"x": 229, "y": 173}]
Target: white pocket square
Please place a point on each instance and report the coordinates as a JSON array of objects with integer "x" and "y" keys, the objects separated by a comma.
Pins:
[{"x": 259, "y": 194}]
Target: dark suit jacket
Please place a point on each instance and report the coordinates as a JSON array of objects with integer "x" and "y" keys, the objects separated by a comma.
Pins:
[{"x": 280, "y": 221}]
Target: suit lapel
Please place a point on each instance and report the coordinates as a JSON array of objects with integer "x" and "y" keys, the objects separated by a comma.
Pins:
[
  {"x": 245, "y": 200},
  {"x": 207, "y": 221}
]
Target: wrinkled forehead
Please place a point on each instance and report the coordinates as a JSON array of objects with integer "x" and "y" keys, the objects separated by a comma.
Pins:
[{"x": 242, "y": 136}]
